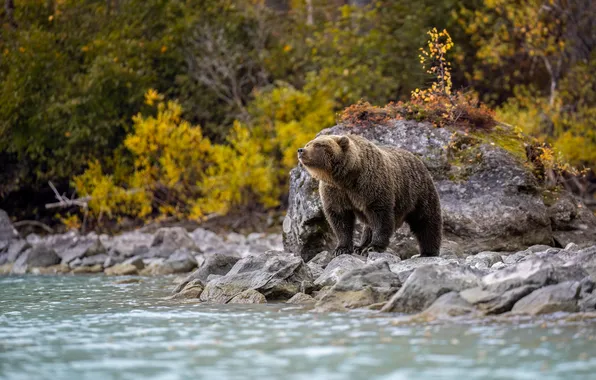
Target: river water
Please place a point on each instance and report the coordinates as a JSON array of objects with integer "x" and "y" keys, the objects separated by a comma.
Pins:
[{"x": 78, "y": 327}]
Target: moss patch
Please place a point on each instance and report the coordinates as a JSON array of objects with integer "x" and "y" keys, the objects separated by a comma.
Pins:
[
  {"x": 464, "y": 156},
  {"x": 506, "y": 138}
]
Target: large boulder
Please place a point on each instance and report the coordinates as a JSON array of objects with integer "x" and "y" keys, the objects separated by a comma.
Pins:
[
  {"x": 213, "y": 265},
  {"x": 80, "y": 248},
  {"x": 15, "y": 248},
  {"x": 550, "y": 299},
  {"x": 337, "y": 268},
  {"x": 533, "y": 272},
  {"x": 428, "y": 283},
  {"x": 371, "y": 284},
  {"x": 406, "y": 267},
  {"x": 490, "y": 199},
  {"x": 572, "y": 222},
  {"x": 169, "y": 240},
  {"x": 128, "y": 244},
  {"x": 276, "y": 275},
  {"x": 447, "y": 306},
  {"x": 38, "y": 256},
  {"x": 181, "y": 261}
]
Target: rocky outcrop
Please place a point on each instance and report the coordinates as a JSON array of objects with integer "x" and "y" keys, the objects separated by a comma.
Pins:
[
  {"x": 337, "y": 268},
  {"x": 371, "y": 284},
  {"x": 167, "y": 251},
  {"x": 191, "y": 290},
  {"x": 169, "y": 240},
  {"x": 428, "y": 283},
  {"x": 213, "y": 265},
  {"x": 276, "y": 275},
  {"x": 550, "y": 299},
  {"x": 490, "y": 200},
  {"x": 38, "y": 256}
]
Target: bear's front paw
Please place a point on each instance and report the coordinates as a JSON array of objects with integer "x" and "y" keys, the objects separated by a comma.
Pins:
[
  {"x": 342, "y": 251},
  {"x": 360, "y": 251},
  {"x": 373, "y": 248}
]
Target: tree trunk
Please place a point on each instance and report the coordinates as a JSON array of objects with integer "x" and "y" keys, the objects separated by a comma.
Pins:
[{"x": 309, "y": 13}]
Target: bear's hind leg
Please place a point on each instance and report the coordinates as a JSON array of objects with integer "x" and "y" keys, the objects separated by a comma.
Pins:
[{"x": 428, "y": 232}]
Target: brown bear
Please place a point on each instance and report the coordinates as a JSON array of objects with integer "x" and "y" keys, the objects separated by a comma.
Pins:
[{"x": 381, "y": 186}]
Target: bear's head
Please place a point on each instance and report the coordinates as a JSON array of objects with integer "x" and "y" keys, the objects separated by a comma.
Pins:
[{"x": 326, "y": 157}]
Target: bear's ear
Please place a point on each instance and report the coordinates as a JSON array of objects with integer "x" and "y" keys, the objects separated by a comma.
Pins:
[{"x": 343, "y": 142}]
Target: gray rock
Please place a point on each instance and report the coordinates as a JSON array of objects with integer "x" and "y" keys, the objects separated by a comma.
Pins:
[
  {"x": 572, "y": 222},
  {"x": 128, "y": 244},
  {"x": 113, "y": 260},
  {"x": 517, "y": 257},
  {"x": 571, "y": 247},
  {"x": 588, "y": 303},
  {"x": 484, "y": 260},
  {"x": 586, "y": 258},
  {"x": 7, "y": 231},
  {"x": 207, "y": 241},
  {"x": 428, "y": 283},
  {"x": 498, "y": 266},
  {"x": 301, "y": 299},
  {"x": 214, "y": 265},
  {"x": 315, "y": 270},
  {"x": 319, "y": 262},
  {"x": 305, "y": 230},
  {"x": 550, "y": 299},
  {"x": 15, "y": 248},
  {"x": 495, "y": 205},
  {"x": 451, "y": 249},
  {"x": 538, "y": 248},
  {"x": 39, "y": 256},
  {"x": 361, "y": 287},
  {"x": 447, "y": 306},
  {"x": 567, "y": 272},
  {"x": 322, "y": 259},
  {"x": 276, "y": 275},
  {"x": 212, "y": 277},
  {"x": 249, "y": 296},
  {"x": 406, "y": 267},
  {"x": 385, "y": 256},
  {"x": 168, "y": 240},
  {"x": 80, "y": 248},
  {"x": 530, "y": 272},
  {"x": 191, "y": 290},
  {"x": 587, "y": 286},
  {"x": 181, "y": 261},
  {"x": 135, "y": 261},
  {"x": 338, "y": 267},
  {"x": 495, "y": 303}
]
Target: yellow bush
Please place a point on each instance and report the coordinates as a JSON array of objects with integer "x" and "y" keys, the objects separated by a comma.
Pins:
[
  {"x": 109, "y": 199},
  {"x": 284, "y": 119},
  {"x": 240, "y": 174},
  {"x": 177, "y": 171}
]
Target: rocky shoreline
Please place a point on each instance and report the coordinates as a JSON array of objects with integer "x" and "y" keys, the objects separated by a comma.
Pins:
[
  {"x": 510, "y": 246},
  {"x": 255, "y": 269}
]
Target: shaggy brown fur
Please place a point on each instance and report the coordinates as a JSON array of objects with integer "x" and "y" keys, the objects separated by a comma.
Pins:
[{"x": 382, "y": 186}]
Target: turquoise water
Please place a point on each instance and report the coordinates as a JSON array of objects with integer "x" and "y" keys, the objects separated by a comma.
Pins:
[{"x": 82, "y": 327}]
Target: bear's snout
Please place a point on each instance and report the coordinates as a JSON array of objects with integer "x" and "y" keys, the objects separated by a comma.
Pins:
[{"x": 300, "y": 150}]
